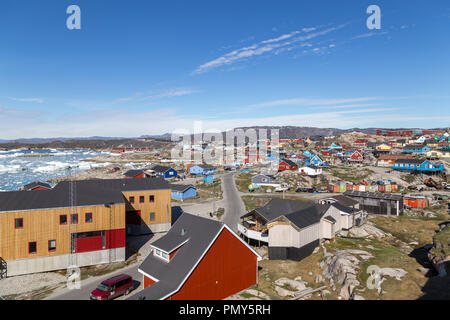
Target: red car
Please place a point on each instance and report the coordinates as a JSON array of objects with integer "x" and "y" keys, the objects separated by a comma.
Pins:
[{"x": 113, "y": 287}]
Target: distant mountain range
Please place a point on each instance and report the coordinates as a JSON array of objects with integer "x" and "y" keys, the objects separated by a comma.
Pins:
[{"x": 285, "y": 132}]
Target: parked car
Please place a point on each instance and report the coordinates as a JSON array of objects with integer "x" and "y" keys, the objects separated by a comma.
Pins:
[
  {"x": 304, "y": 189},
  {"x": 113, "y": 287}
]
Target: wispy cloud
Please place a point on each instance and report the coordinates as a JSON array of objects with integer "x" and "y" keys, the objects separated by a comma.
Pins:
[
  {"x": 312, "y": 102},
  {"x": 369, "y": 34},
  {"x": 33, "y": 100},
  {"x": 273, "y": 45},
  {"x": 170, "y": 93}
]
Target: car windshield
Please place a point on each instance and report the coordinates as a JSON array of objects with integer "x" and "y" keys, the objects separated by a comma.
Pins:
[{"x": 102, "y": 287}]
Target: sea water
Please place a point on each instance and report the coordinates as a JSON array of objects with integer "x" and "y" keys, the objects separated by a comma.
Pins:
[{"x": 18, "y": 168}]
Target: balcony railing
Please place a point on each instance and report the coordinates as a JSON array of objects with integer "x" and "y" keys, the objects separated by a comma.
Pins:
[{"x": 252, "y": 234}]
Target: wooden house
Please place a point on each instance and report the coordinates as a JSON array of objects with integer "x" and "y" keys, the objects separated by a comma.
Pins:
[
  {"x": 293, "y": 229},
  {"x": 198, "y": 259},
  {"x": 183, "y": 192},
  {"x": 44, "y": 230},
  {"x": 287, "y": 165},
  {"x": 418, "y": 165},
  {"x": 35, "y": 186},
  {"x": 164, "y": 172}
]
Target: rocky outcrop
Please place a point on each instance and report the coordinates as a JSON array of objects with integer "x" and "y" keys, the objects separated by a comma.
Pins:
[
  {"x": 439, "y": 255},
  {"x": 342, "y": 268},
  {"x": 368, "y": 230},
  {"x": 287, "y": 287}
]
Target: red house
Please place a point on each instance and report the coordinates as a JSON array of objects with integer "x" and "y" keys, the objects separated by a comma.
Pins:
[
  {"x": 357, "y": 156},
  {"x": 134, "y": 174},
  {"x": 198, "y": 259},
  {"x": 37, "y": 185},
  {"x": 287, "y": 165}
]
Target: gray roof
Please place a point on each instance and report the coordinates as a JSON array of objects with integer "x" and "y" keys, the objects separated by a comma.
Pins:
[
  {"x": 373, "y": 195},
  {"x": 132, "y": 173},
  {"x": 308, "y": 216},
  {"x": 289, "y": 162},
  {"x": 278, "y": 207},
  {"x": 345, "y": 201},
  {"x": 200, "y": 232},
  {"x": 87, "y": 193},
  {"x": 343, "y": 208},
  {"x": 330, "y": 218},
  {"x": 181, "y": 187},
  {"x": 161, "y": 169},
  {"x": 35, "y": 184},
  {"x": 414, "y": 161}
]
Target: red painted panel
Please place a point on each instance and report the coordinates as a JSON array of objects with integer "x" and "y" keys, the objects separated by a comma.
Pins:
[
  {"x": 172, "y": 254},
  {"x": 115, "y": 238},
  {"x": 39, "y": 188},
  {"x": 148, "y": 282},
  {"x": 227, "y": 268},
  {"x": 89, "y": 244}
]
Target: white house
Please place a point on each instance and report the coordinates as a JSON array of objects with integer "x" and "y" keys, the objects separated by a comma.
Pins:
[{"x": 310, "y": 171}]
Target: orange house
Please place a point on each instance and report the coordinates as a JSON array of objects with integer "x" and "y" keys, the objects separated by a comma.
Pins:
[{"x": 198, "y": 259}]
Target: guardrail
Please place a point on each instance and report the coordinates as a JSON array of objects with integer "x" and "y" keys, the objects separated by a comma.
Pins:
[{"x": 252, "y": 234}]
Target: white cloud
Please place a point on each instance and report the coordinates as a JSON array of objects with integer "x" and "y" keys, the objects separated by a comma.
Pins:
[
  {"x": 33, "y": 100},
  {"x": 170, "y": 93},
  {"x": 312, "y": 102},
  {"x": 281, "y": 43}
]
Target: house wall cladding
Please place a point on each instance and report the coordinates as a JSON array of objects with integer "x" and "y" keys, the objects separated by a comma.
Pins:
[
  {"x": 40, "y": 226},
  {"x": 60, "y": 262},
  {"x": 228, "y": 267},
  {"x": 292, "y": 253}
]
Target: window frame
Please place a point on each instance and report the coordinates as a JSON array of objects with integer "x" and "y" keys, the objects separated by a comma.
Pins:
[
  {"x": 131, "y": 199},
  {"x": 141, "y": 199},
  {"x": 54, "y": 249},
  {"x": 151, "y": 198},
  {"x": 62, "y": 215},
  {"x": 72, "y": 215},
  {"x": 154, "y": 216},
  {"x": 85, "y": 217},
  {"x": 35, "y": 247},
  {"x": 15, "y": 223}
]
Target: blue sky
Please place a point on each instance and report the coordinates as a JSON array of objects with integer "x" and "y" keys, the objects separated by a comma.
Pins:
[{"x": 151, "y": 67}]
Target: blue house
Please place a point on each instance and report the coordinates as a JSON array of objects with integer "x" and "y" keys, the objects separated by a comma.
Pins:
[
  {"x": 316, "y": 160},
  {"x": 308, "y": 154},
  {"x": 208, "y": 179},
  {"x": 417, "y": 165},
  {"x": 202, "y": 170},
  {"x": 416, "y": 148},
  {"x": 335, "y": 146},
  {"x": 165, "y": 172},
  {"x": 182, "y": 192}
]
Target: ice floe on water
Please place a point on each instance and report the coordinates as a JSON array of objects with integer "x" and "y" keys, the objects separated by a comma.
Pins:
[{"x": 17, "y": 167}]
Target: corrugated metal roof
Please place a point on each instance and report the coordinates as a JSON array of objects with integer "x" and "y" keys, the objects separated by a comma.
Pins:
[{"x": 86, "y": 193}]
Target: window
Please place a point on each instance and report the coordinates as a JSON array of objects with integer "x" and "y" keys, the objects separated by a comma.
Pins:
[
  {"x": 152, "y": 216},
  {"x": 32, "y": 247},
  {"x": 63, "y": 219},
  {"x": 51, "y": 245},
  {"x": 131, "y": 199},
  {"x": 18, "y": 223},
  {"x": 88, "y": 217},
  {"x": 141, "y": 199},
  {"x": 74, "y": 218},
  {"x": 152, "y": 198}
]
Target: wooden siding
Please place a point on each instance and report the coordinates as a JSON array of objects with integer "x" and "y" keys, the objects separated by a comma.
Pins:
[
  {"x": 43, "y": 225},
  {"x": 227, "y": 268},
  {"x": 161, "y": 206}
]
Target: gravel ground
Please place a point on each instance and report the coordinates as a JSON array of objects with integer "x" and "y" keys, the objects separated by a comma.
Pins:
[{"x": 29, "y": 282}]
